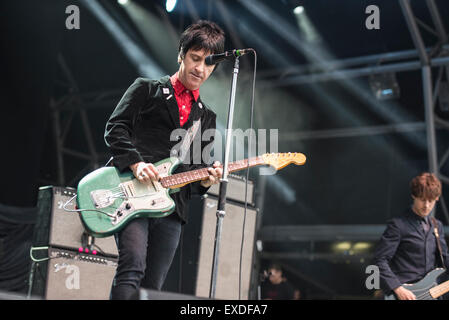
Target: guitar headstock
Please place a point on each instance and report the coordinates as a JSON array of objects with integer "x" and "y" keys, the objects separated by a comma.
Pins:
[{"x": 281, "y": 160}]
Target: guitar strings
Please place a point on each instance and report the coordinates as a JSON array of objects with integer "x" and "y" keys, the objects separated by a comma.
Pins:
[
  {"x": 424, "y": 296},
  {"x": 81, "y": 210}
]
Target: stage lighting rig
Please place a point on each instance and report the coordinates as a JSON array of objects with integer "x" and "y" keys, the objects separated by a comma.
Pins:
[{"x": 384, "y": 86}]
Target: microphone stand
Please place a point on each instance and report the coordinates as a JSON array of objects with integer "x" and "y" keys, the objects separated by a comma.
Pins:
[{"x": 223, "y": 182}]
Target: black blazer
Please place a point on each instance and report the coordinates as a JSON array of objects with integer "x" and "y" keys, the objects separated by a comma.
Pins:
[
  {"x": 406, "y": 253},
  {"x": 139, "y": 129}
]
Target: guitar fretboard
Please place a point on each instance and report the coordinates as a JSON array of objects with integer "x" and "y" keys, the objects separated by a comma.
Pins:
[
  {"x": 439, "y": 290},
  {"x": 201, "y": 174}
]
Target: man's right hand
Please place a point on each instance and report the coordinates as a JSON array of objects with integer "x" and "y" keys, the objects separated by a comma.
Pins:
[
  {"x": 145, "y": 172},
  {"x": 404, "y": 294}
]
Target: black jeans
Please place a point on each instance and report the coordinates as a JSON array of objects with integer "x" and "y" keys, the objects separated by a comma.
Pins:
[{"x": 146, "y": 250}]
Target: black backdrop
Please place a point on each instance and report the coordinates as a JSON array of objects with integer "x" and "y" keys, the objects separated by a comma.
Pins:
[{"x": 30, "y": 38}]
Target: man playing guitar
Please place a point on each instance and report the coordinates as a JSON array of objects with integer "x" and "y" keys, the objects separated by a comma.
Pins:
[
  {"x": 409, "y": 247},
  {"x": 138, "y": 135}
]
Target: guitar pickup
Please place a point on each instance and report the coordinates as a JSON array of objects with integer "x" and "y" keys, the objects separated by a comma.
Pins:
[{"x": 128, "y": 189}]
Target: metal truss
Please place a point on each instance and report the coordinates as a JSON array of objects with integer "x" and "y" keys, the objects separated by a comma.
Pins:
[
  {"x": 422, "y": 57},
  {"x": 63, "y": 110},
  {"x": 322, "y": 233},
  {"x": 332, "y": 71},
  {"x": 331, "y": 233},
  {"x": 430, "y": 95}
]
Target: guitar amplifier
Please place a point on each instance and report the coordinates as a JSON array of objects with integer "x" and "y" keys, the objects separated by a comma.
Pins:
[
  {"x": 57, "y": 227},
  {"x": 235, "y": 190},
  {"x": 67, "y": 264},
  {"x": 71, "y": 275}
]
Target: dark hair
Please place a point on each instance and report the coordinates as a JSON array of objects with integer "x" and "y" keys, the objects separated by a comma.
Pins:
[
  {"x": 275, "y": 266},
  {"x": 426, "y": 186},
  {"x": 202, "y": 35}
]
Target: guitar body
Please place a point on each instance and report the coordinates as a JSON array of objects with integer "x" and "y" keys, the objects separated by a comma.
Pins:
[
  {"x": 110, "y": 199},
  {"x": 421, "y": 289}
]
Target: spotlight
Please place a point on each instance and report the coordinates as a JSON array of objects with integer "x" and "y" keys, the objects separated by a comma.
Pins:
[
  {"x": 170, "y": 5},
  {"x": 342, "y": 246},
  {"x": 384, "y": 86},
  {"x": 298, "y": 10},
  {"x": 123, "y": 2},
  {"x": 361, "y": 246}
]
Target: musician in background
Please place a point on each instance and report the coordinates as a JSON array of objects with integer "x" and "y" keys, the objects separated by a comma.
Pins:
[
  {"x": 277, "y": 287},
  {"x": 138, "y": 135},
  {"x": 408, "y": 248}
]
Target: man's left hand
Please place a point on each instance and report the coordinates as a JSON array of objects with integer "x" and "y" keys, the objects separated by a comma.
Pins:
[{"x": 215, "y": 174}]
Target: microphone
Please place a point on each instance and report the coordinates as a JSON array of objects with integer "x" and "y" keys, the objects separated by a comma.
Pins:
[
  {"x": 216, "y": 58},
  {"x": 265, "y": 275}
]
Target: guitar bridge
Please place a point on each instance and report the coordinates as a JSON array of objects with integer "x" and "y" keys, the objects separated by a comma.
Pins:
[{"x": 102, "y": 198}]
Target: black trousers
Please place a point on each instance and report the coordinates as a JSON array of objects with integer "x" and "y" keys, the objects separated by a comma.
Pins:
[{"x": 146, "y": 250}]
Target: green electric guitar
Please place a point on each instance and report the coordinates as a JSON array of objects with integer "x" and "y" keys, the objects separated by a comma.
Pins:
[{"x": 107, "y": 199}]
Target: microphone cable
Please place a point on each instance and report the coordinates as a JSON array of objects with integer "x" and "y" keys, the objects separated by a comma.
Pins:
[{"x": 247, "y": 169}]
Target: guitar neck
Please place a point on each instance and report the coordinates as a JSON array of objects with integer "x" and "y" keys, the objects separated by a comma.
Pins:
[
  {"x": 180, "y": 179},
  {"x": 439, "y": 290}
]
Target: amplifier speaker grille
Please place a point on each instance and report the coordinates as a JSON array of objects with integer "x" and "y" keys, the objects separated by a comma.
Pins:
[
  {"x": 73, "y": 276},
  {"x": 227, "y": 284}
]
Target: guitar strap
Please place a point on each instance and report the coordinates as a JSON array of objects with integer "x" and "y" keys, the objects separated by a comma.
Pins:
[
  {"x": 437, "y": 236},
  {"x": 187, "y": 140}
]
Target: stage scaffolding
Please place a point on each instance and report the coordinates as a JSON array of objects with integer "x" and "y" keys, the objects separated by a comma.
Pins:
[{"x": 421, "y": 58}]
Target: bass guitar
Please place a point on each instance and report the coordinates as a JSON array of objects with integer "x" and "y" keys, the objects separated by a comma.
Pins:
[
  {"x": 108, "y": 199},
  {"x": 427, "y": 288}
]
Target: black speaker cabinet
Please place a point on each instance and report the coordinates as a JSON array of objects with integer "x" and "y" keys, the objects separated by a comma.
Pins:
[
  {"x": 62, "y": 268},
  {"x": 236, "y": 190},
  {"x": 228, "y": 267},
  {"x": 191, "y": 269}
]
